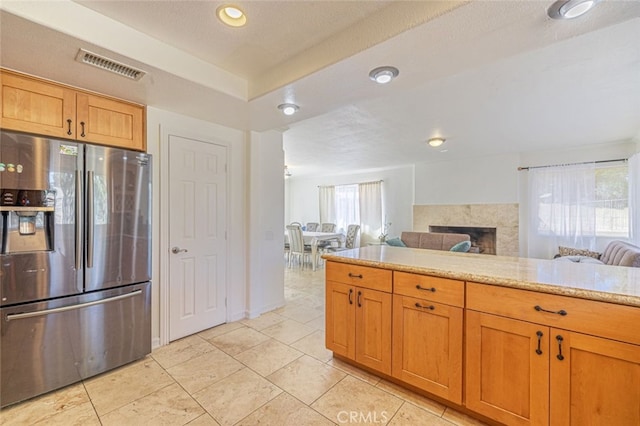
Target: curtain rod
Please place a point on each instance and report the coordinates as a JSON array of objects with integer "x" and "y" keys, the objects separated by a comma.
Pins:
[
  {"x": 346, "y": 184},
  {"x": 573, "y": 164}
]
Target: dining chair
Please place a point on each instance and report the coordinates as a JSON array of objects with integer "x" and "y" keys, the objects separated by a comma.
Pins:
[
  {"x": 296, "y": 245},
  {"x": 328, "y": 227},
  {"x": 312, "y": 226},
  {"x": 351, "y": 239}
]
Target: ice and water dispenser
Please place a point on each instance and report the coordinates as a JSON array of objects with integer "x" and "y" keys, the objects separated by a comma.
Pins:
[
  {"x": 27, "y": 220},
  {"x": 26, "y": 203}
]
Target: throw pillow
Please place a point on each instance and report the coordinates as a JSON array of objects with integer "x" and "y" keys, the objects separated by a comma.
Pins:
[
  {"x": 396, "y": 242},
  {"x": 462, "y": 246},
  {"x": 570, "y": 251}
]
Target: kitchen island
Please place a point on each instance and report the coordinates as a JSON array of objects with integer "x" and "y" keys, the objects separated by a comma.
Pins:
[{"x": 513, "y": 340}]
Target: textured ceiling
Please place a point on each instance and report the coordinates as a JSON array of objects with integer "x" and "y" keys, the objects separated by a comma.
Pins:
[
  {"x": 282, "y": 41},
  {"x": 492, "y": 77}
]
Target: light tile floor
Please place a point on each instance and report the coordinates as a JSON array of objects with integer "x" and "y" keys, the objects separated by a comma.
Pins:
[{"x": 271, "y": 370}]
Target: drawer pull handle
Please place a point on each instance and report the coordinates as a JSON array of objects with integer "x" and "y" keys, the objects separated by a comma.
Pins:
[
  {"x": 359, "y": 304},
  {"x": 559, "y": 339},
  {"x": 355, "y": 276},
  {"x": 350, "y": 299},
  {"x": 539, "y": 334},
  {"x": 432, "y": 289},
  {"x": 430, "y": 307},
  {"x": 69, "y": 124},
  {"x": 540, "y": 309}
]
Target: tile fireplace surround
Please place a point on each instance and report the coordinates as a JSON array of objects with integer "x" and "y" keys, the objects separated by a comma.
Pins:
[{"x": 503, "y": 217}]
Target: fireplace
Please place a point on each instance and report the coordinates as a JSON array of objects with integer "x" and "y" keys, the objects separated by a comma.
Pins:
[{"x": 483, "y": 239}]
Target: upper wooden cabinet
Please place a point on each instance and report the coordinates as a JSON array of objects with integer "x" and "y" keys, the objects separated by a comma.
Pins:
[
  {"x": 110, "y": 122},
  {"x": 41, "y": 107},
  {"x": 34, "y": 106}
]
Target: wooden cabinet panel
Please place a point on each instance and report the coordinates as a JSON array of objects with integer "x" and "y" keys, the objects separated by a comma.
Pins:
[
  {"x": 602, "y": 319},
  {"x": 595, "y": 381},
  {"x": 340, "y": 319},
  {"x": 361, "y": 276},
  {"x": 507, "y": 377},
  {"x": 427, "y": 346},
  {"x": 110, "y": 122},
  {"x": 442, "y": 290},
  {"x": 373, "y": 329},
  {"x": 30, "y": 105}
]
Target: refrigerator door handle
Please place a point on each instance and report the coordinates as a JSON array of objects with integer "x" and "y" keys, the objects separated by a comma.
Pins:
[
  {"x": 78, "y": 220},
  {"x": 11, "y": 317},
  {"x": 90, "y": 219}
]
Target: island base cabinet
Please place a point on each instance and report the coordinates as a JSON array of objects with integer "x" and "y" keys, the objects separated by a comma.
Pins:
[
  {"x": 507, "y": 369},
  {"x": 340, "y": 319},
  {"x": 593, "y": 381},
  {"x": 358, "y": 325},
  {"x": 427, "y": 346}
]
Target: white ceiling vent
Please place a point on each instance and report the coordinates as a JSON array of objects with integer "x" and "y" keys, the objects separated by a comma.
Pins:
[{"x": 107, "y": 64}]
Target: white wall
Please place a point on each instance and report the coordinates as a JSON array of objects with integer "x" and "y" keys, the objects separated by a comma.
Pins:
[
  {"x": 266, "y": 235},
  {"x": 158, "y": 123},
  {"x": 486, "y": 180},
  {"x": 302, "y": 202}
]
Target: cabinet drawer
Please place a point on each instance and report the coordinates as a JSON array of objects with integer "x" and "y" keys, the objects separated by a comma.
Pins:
[
  {"x": 618, "y": 322},
  {"x": 426, "y": 287},
  {"x": 361, "y": 276}
]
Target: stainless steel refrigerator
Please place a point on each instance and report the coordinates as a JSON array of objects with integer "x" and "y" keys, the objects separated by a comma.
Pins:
[{"x": 75, "y": 256}]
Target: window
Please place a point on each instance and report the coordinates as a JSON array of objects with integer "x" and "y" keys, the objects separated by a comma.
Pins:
[
  {"x": 347, "y": 206},
  {"x": 359, "y": 204},
  {"x": 612, "y": 201},
  {"x": 574, "y": 205}
]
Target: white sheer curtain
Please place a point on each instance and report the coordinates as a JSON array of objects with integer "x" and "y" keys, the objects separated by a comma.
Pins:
[
  {"x": 561, "y": 209},
  {"x": 327, "y": 204},
  {"x": 634, "y": 198},
  {"x": 370, "y": 210}
]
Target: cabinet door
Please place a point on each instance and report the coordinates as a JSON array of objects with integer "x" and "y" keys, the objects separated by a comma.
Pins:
[
  {"x": 340, "y": 319},
  {"x": 37, "y": 107},
  {"x": 507, "y": 369},
  {"x": 373, "y": 329},
  {"x": 110, "y": 122},
  {"x": 427, "y": 346},
  {"x": 594, "y": 381}
]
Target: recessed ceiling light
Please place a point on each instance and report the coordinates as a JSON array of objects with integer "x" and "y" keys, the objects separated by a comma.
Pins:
[
  {"x": 383, "y": 75},
  {"x": 435, "y": 142},
  {"x": 288, "y": 109},
  {"x": 231, "y": 15},
  {"x": 569, "y": 9}
]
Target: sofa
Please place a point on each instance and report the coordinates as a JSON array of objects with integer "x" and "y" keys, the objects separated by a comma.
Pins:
[
  {"x": 617, "y": 253},
  {"x": 432, "y": 240}
]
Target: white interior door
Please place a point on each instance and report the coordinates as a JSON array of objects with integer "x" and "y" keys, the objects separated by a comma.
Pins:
[{"x": 197, "y": 228}]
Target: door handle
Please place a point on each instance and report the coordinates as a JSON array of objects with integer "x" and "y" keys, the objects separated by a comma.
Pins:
[{"x": 177, "y": 250}]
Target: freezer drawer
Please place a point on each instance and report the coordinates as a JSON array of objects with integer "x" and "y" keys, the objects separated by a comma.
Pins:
[{"x": 48, "y": 345}]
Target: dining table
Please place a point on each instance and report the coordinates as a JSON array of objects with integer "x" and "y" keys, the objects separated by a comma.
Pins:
[{"x": 313, "y": 238}]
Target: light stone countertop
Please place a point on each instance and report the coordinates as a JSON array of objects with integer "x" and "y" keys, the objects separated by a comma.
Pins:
[{"x": 615, "y": 284}]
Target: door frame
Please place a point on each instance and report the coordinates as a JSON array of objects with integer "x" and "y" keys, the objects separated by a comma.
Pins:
[{"x": 163, "y": 217}]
